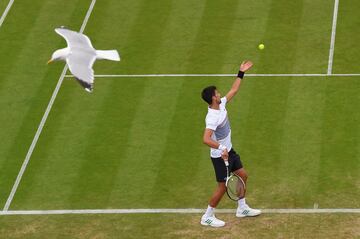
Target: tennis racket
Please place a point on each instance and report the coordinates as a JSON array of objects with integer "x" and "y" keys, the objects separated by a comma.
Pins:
[{"x": 235, "y": 186}]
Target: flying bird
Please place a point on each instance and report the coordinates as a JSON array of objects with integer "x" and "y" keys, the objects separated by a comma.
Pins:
[{"x": 80, "y": 56}]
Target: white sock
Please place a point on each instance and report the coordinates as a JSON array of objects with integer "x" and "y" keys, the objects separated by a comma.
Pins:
[
  {"x": 242, "y": 203},
  {"x": 209, "y": 211}
]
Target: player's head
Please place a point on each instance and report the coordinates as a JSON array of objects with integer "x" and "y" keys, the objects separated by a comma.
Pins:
[{"x": 210, "y": 95}]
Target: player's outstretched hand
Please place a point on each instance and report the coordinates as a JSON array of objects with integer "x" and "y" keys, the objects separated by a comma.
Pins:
[{"x": 246, "y": 65}]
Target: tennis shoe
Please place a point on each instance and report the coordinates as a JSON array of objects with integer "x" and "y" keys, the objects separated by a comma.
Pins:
[
  {"x": 247, "y": 212},
  {"x": 211, "y": 221}
]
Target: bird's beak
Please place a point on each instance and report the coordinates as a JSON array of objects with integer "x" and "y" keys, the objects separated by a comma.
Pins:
[{"x": 49, "y": 61}]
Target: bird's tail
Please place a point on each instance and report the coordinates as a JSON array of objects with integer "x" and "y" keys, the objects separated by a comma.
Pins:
[{"x": 112, "y": 55}]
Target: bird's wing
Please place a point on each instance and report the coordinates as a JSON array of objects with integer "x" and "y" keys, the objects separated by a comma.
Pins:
[
  {"x": 74, "y": 39},
  {"x": 80, "y": 65}
]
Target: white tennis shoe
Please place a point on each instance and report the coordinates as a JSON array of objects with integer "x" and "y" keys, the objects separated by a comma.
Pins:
[
  {"x": 211, "y": 221},
  {"x": 247, "y": 212}
]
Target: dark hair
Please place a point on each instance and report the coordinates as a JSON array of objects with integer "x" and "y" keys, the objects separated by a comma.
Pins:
[{"x": 208, "y": 93}]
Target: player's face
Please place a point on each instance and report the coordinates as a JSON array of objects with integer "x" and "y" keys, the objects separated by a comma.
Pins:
[{"x": 217, "y": 97}]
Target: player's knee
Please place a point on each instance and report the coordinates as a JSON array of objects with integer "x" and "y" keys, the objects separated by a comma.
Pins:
[{"x": 243, "y": 174}]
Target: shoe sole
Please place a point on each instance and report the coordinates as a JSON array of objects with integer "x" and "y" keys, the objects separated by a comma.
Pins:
[
  {"x": 241, "y": 215},
  {"x": 205, "y": 224}
]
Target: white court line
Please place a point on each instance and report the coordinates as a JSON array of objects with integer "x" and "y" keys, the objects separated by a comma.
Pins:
[
  {"x": 7, "y": 9},
  {"x": 217, "y": 75},
  {"x": 177, "y": 211},
  {"x": 43, "y": 120},
  {"x": 333, "y": 34}
]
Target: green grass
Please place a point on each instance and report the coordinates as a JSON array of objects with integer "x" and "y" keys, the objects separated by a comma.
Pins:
[
  {"x": 179, "y": 226},
  {"x": 137, "y": 142},
  {"x": 347, "y": 52},
  {"x": 26, "y": 81}
]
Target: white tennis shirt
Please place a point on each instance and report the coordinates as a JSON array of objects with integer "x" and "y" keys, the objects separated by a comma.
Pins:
[{"x": 218, "y": 121}]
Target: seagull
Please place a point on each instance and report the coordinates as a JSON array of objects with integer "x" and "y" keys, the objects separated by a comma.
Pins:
[{"x": 80, "y": 56}]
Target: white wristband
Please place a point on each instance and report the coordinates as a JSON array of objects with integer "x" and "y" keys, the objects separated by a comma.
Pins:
[{"x": 222, "y": 147}]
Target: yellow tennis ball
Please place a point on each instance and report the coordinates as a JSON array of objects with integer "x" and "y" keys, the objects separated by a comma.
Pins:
[{"x": 261, "y": 46}]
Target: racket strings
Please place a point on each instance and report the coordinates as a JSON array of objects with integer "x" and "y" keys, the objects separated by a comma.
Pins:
[{"x": 235, "y": 187}]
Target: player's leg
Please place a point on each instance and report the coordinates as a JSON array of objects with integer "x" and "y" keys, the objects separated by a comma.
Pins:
[
  {"x": 209, "y": 219},
  {"x": 218, "y": 194},
  {"x": 242, "y": 174},
  {"x": 243, "y": 209}
]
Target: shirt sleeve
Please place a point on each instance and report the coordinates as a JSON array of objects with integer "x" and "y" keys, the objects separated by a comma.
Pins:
[{"x": 211, "y": 123}]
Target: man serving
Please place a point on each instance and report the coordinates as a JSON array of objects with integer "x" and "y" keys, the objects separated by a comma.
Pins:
[{"x": 217, "y": 136}]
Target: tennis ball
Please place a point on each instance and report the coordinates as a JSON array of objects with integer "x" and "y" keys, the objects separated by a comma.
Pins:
[{"x": 261, "y": 46}]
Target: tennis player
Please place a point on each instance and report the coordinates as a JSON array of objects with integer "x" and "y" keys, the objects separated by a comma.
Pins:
[{"x": 217, "y": 136}]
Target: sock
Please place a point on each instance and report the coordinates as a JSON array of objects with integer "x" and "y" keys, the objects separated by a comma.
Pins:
[
  {"x": 242, "y": 203},
  {"x": 209, "y": 211}
]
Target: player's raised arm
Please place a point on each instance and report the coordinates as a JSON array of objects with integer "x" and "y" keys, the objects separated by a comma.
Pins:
[{"x": 245, "y": 65}]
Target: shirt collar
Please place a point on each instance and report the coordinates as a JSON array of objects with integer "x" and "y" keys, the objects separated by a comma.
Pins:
[{"x": 213, "y": 110}]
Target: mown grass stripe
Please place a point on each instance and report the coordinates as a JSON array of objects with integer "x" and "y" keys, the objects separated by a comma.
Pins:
[{"x": 43, "y": 120}]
